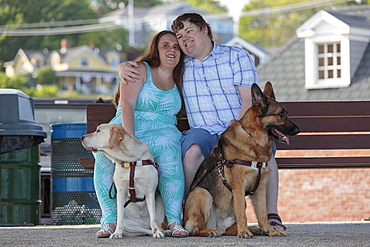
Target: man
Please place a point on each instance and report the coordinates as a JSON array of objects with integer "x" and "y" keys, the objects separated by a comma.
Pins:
[{"x": 216, "y": 89}]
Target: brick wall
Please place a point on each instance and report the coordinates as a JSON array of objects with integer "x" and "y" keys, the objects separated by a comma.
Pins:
[{"x": 309, "y": 195}]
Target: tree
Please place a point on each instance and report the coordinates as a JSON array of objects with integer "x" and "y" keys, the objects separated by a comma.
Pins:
[
  {"x": 51, "y": 12},
  {"x": 46, "y": 76},
  {"x": 42, "y": 91},
  {"x": 110, "y": 39},
  {"x": 15, "y": 83},
  {"x": 17, "y": 12},
  {"x": 20, "y": 83},
  {"x": 212, "y": 6},
  {"x": 105, "y": 6}
]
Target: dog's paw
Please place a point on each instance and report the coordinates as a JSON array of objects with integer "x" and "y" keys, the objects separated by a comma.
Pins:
[
  {"x": 116, "y": 236},
  {"x": 208, "y": 233},
  {"x": 167, "y": 233},
  {"x": 257, "y": 231},
  {"x": 246, "y": 234},
  {"x": 279, "y": 233},
  {"x": 276, "y": 233},
  {"x": 158, "y": 235}
]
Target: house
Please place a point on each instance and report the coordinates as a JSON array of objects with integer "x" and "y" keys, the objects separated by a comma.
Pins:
[
  {"x": 122, "y": 17},
  {"x": 257, "y": 52},
  {"x": 328, "y": 60},
  {"x": 85, "y": 69},
  {"x": 26, "y": 62},
  {"x": 147, "y": 21}
]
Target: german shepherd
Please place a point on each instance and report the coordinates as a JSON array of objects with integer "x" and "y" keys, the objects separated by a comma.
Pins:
[{"x": 237, "y": 167}]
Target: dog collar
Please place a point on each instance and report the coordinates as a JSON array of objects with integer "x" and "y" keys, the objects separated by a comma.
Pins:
[
  {"x": 218, "y": 157},
  {"x": 126, "y": 164}
]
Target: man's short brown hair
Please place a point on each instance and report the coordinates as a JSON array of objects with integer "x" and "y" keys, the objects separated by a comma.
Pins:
[{"x": 194, "y": 18}]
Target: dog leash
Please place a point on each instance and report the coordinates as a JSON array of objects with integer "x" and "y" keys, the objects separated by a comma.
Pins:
[{"x": 221, "y": 162}]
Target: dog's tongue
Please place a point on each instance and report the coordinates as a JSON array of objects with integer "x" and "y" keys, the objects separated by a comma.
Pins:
[
  {"x": 287, "y": 140},
  {"x": 283, "y": 138}
]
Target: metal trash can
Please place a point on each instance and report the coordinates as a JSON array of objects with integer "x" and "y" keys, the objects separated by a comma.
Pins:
[
  {"x": 73, "y": 197},
  {"x": 20, "y": 177}
]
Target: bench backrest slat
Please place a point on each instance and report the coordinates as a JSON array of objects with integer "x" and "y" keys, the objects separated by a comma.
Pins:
[
  {"x": 337, "y": 108},
  {"x": 98, "y": 114},
  {"x": 316, "y": 142},
  {"x": 323, "y": 162},
  {"x": 325, "y": 126},
  {"x": 333, "y": 124}
]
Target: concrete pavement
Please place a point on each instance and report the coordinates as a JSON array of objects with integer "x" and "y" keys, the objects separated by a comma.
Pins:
[{"x": 299, "y": 234}]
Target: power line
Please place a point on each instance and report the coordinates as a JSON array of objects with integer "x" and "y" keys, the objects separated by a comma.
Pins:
[
  {"x": 93, "y": 25},
  {"x": 51, "y": 23},
  {"x": 9, "y": 31}
]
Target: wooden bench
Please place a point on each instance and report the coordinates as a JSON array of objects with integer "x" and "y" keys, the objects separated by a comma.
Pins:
[{"x": 334, "y": 134}]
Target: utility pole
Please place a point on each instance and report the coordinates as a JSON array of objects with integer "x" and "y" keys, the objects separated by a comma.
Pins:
[{"x": 130, "y": 12}]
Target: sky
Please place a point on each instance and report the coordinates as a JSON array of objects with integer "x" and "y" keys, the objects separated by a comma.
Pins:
[{"x": 235, "y": 7}]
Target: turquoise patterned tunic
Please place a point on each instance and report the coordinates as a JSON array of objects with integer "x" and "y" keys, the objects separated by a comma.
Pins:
[{"x": 155, "y": 123}]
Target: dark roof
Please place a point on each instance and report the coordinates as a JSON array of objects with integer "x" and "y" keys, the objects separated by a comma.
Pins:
[
  {"x": 99, "y": 52},
  {"x": 353, "y": 15},
  {"x": 30, "y": 53},
  {"x": 352, "y": 20},
  {"x": 358, "y": 10},
  {"x": 286, "y": 69}
]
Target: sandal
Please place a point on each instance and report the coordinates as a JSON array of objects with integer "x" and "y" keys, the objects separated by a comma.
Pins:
[
  {"x": 106, "y": 230},
  {"x": 275, "y": 222},
  {"x": 177, "y": 230}
]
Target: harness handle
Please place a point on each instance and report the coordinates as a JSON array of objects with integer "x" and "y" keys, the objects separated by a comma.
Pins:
[{"x": 112, "y": 187}]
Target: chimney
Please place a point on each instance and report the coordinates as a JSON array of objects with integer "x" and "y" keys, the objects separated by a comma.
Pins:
[{"x": 64, "y": 45}]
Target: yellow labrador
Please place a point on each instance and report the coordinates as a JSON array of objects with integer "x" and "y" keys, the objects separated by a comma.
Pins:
[{"x": 136, "y": 177}]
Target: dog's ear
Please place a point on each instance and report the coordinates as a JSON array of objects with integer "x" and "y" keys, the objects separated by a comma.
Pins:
[
  {"x": 258, "y": 98},
  {"x": 269, "y": 91},
  {"x": 116, "y": 135}
]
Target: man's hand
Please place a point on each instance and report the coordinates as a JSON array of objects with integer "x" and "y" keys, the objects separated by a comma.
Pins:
[{"x": 128, "y": 72}]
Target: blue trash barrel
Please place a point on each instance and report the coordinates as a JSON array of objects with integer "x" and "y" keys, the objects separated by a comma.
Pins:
[{"x": 73, "y": 197}]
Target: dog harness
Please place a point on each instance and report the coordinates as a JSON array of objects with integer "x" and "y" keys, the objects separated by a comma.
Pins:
[
  {"x": 131, "y": 189},
  {"x": 221, "y": 163}
]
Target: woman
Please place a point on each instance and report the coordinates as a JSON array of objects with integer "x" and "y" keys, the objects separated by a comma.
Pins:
[{"x": 148, "y": 109}]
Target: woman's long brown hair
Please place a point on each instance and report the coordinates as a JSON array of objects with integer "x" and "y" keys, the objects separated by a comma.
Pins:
[{"x": 151, "y": 56}]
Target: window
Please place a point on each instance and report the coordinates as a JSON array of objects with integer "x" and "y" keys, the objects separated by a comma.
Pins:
[
  {"x": 21, "y": 67},
  {"x": 329, "y": 61},
  {"x": 113, "y": 63},
  {"x": 84, "y": 61},
  {"x": 55, "y": 60}
]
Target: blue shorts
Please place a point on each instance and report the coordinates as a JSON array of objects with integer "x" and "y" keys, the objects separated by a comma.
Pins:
[
  {"x": 200, "y": 137},
  {"x": 204, "y": 140},
  {"x": 273, "y": 149}
]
